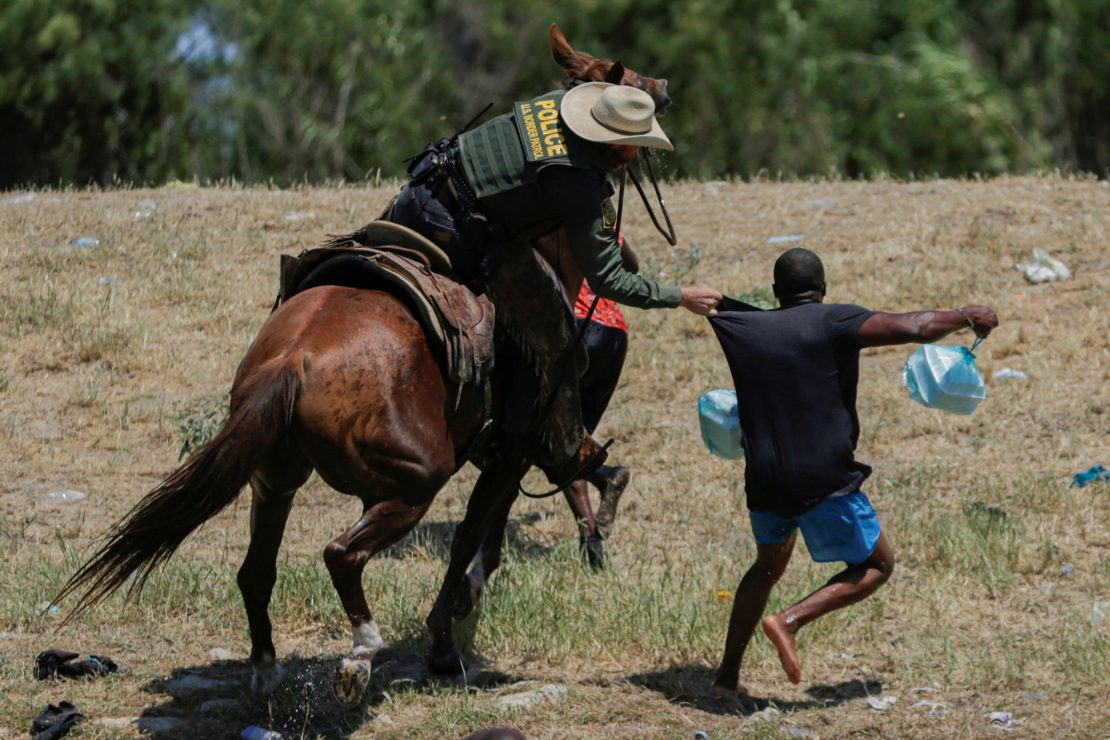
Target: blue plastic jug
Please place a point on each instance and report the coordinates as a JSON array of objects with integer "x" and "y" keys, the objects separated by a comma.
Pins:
[
  {"x": 944, "y": 378},
  {"x": 719, "y": 415}
]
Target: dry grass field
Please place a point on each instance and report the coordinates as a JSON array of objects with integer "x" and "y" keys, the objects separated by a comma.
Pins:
[{"x": 114, "y": 354}]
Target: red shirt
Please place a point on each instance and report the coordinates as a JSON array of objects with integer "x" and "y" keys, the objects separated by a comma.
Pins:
[{"x": 607, "y": 313}]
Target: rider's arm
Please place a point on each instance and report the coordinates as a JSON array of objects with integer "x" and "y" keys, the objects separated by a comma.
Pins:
[
  {"x": 924, "y": 326},
  {"x": 576, "y": 195}
]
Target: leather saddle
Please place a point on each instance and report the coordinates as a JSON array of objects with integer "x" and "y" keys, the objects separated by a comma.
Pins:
[{"x": 394, "y": 258}]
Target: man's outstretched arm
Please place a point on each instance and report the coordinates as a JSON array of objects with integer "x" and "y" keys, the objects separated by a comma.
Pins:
[{"x": 924, "y": 326}]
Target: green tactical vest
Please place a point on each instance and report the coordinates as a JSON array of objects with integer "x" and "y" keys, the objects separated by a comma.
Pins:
[{"x": 509, "y": 151}]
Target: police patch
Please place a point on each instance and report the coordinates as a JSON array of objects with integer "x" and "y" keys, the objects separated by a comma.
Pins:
[{"x": 541, "y": 128}]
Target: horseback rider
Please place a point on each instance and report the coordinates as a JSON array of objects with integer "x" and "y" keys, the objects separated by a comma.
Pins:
[{"x": 484, "y": 195}]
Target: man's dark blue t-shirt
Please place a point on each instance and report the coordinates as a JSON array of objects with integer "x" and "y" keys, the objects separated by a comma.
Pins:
[{"x": 796, "y": 371}]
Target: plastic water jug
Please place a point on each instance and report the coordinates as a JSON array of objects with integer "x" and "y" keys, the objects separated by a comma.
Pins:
[
  {"x": 719, "y": 415},
  {"x": 944, "y": 378}
]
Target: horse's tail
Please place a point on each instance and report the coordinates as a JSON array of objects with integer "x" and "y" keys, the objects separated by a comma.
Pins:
[{"x": 211, "y": 479}]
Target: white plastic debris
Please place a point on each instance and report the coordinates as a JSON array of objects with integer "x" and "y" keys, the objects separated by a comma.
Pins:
[
  {"x": 108, "y": 280},
  {"x": 1009, "y": 372},
  {"x": 86, "y": 242},
  {"x": 146, "y": 208},
  {"x": 931, "y": 708},
  {"x": 790, "y": 731},
  {"x": 1043, "y": 268},
  {"x": 65, "y": 497},
  {"x": 882, "y": 703},
  {"x": 300, "y": 215},
  {"x": 1098, "y": 612},
  {"x": 786, "y": 239},
  {"x": 17, "y": 199},
  {"x": 1067, "y": 569},
  {"x": 46, "y": 609},
  {"x": 820, "y": 204},
  {"x": 1004, "y": 721}
]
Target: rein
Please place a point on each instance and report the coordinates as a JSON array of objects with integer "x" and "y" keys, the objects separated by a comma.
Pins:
[{"x": 669, "y": 235}]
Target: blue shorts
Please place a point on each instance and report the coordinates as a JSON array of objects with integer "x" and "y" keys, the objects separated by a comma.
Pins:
[{"x": 841, "y": 528}]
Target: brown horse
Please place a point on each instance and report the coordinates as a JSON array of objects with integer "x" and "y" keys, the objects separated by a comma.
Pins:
[{"x": 343, "y": 382}]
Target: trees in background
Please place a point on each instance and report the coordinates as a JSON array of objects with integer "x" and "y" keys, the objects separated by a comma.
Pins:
[{"x": 287, "y": 90}]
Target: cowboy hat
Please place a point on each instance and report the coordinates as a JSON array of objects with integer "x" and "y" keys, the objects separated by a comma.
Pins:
[{"x": 613, "y": 114}]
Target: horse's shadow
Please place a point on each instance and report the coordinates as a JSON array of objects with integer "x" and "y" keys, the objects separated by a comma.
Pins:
[
  {"x": 433, "y": 540},
  {"x": 688, "y": 685},
  {"x": 214, "y": 700}
]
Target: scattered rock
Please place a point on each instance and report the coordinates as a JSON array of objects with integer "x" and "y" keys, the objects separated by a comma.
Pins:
[
  {"x": 217, "y": 706},
  {"x": 924, "y": 690},
  {"x": 882, "y": 703},
  {"x": 1034, "y": 696},
  {"x": 767, "y": 714},
  {"x": 383, "y": 720},
  {"x": 217, "y": 654},
  {"x": 796, "y": 731},
  {"x": 188, "y": 683},
  {"x": 528, "y": 699}
]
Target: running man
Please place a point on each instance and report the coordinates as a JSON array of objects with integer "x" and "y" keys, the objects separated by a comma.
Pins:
[{"x": 796, "y": 370}]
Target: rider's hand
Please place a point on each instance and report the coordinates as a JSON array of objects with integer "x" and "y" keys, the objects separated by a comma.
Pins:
[
  {"x": 983, "y": 319},
  {"x": 701, "y": 300}
]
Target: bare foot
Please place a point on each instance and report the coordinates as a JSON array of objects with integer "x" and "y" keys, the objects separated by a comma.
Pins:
[
  {"x": 774, "y": 626},
  {"x": 725, "y": 692}
]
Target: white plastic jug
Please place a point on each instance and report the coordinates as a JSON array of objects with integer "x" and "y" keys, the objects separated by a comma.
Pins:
[
  {"x": 944, "y": 378},
  {"x": 719, "y": 415}
]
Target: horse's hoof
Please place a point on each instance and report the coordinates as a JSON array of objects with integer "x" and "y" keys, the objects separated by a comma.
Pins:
[
  {"x": 448, "y": 663},
  {"x": 352, "y": 678},
  {"x": 467, "y": 598},
  {"x": 594, "y": 550},
  {"x": 266, "y": 677}
]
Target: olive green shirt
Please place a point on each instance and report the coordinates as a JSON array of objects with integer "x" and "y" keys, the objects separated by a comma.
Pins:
[
  {"x": 572, "y": 197},
  {"x": 558, "y": 179}
]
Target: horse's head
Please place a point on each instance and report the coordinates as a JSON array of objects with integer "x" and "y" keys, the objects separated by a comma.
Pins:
[{"x": 581, "y": 67}]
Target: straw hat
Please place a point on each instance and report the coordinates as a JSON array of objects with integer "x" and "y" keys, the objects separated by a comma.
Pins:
[{"x": 613, "y": 114}]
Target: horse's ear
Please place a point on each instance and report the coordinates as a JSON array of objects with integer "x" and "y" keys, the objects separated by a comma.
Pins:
[
  {"x": 616, "y": 73},
  {"x": 560, "y": 50}
]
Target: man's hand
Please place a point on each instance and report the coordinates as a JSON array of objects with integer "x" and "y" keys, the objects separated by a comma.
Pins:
[
  {"x": 884, "y": 329},
  {"x": 983, "y": 319},
  {"x": 701, "y": 300}
]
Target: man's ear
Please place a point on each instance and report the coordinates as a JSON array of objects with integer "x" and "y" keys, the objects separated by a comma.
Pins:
[
  {"x": 616, "y": 73},
  {"x": 561, "y": 52}
]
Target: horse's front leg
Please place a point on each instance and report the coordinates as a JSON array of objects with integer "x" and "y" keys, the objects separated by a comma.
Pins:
[
  {"x": 487, "y": 560},
  {"x": 494, "y": 492}
]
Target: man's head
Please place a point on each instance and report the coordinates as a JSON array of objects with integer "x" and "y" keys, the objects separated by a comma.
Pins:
[{"x": 799, "y": 277}]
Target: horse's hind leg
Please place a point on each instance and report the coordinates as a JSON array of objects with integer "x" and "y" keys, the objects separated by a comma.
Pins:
[
  {"x": 272, "y": 487},
  {"x": 382, "y": 524}
]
